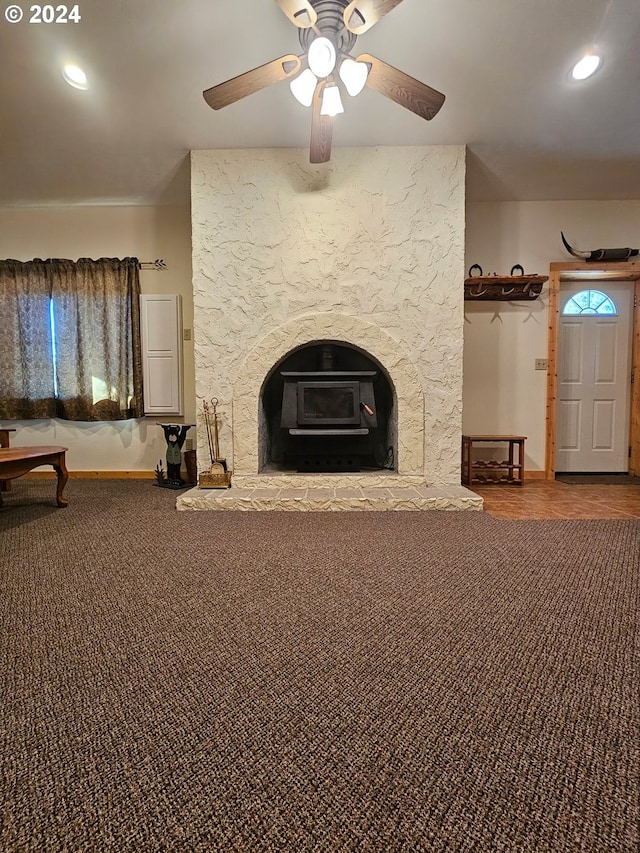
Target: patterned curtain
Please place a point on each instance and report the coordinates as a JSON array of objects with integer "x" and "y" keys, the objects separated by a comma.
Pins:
[
  {"x": 26, "y": 346},
  {"x": 94, "y": 355}
]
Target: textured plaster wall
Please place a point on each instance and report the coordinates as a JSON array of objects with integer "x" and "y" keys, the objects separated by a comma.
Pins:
[{"x": 376, "y": 235}]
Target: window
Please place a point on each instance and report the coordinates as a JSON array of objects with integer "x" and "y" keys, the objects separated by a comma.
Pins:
[
  {"x": 590, "y": 302},
  {"x": 71, "y": 342}
]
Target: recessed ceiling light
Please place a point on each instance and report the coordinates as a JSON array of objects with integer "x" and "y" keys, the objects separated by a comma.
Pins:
[
  {"x": 587, "y": 66},
  {"x": 75, "y": 77}
]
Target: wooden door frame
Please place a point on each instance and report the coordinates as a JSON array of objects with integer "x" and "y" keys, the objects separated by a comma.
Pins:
[{"x": 577, "y": 271}]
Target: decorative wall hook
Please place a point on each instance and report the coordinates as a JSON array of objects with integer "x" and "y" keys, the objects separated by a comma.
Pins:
[{"x": 509, "y": 288}]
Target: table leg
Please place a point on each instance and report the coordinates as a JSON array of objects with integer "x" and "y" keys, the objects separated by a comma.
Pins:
[
  {"x": 465, "y": 472},
  {"x": 63, "y": 475},
  {"x": 5, "y": 485}
]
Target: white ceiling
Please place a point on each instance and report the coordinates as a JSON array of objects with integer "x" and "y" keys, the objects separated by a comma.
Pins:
[{"x": 503, "y": 65}]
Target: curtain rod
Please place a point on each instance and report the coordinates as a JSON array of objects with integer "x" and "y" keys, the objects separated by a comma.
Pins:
[{"x": 158, "y": 264}]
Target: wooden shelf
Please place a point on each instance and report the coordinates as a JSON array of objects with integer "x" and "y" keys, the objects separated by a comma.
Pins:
[
  {"x": 493, "y": 472},
  {"x": 503, "y": 288}
]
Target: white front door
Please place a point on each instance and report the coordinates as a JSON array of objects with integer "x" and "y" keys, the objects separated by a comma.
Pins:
[{"x": 594, "y": 377}]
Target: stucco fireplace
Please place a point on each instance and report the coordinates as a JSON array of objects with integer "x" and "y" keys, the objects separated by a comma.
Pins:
[{"x": 362, "y": 258}]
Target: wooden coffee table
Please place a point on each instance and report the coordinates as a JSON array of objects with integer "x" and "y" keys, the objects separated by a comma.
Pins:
[{"x": 17, "y": 461}]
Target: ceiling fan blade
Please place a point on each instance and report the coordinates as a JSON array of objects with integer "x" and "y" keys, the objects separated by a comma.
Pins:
[
  {"x": 300, "y": 12},
  {"x": 360, "y": 15},
  {"x": 401, "y": 88},
  {"x": 252, "y": 81},
  {"x": 321, "y": 131}
]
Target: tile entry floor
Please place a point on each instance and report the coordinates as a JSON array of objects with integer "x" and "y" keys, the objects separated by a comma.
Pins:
[{"x": 552, "y": 499}]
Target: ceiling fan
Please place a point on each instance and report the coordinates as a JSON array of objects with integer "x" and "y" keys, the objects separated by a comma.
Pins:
[{"x": 327, "y": 30}]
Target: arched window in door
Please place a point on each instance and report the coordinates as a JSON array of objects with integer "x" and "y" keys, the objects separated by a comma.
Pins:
[{"x": 590, "y": 302}]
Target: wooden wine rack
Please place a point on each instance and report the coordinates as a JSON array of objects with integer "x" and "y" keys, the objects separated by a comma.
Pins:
[{"x": 507, "y": 472}]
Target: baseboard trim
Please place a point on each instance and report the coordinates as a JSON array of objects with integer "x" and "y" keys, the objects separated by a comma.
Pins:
[
  {"x": 149, "y": 475},
  {"x": 96, "y": 475}
]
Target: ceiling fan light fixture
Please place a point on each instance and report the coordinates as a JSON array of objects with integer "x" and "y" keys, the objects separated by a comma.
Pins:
[
  {"x": 321, "y": 56},
  {"x": 586, "y": 67},
  {"x": 354, "y": 76},
  {"x": 331, "y": 101},
  {"x": 303, "y": 86}
]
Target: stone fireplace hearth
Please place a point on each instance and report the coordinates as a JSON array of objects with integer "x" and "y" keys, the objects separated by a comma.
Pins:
[{"x": 365, "y": 254}]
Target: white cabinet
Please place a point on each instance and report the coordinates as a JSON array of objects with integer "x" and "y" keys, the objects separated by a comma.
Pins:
[{"x": 161, "y": 332}]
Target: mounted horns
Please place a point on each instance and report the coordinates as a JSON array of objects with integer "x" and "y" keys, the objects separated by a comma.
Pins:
[{"x": 601, "y": 254}]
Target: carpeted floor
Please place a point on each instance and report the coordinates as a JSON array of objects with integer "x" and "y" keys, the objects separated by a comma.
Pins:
[{"x": 313, "y": 682}]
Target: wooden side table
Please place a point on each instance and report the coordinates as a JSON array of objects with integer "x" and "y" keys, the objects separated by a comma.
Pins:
[
  {"x": 4, "y": 435},
  {"x": 5, "y": 485},
  {"x": 505, "y": 472},
  {"x": 17, "y": 461}
]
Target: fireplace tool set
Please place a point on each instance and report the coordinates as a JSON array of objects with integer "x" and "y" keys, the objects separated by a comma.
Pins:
[{"x": 218, "y": 477}]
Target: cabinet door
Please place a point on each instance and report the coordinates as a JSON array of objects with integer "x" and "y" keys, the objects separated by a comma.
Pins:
[{"x": 161, "y": 332}]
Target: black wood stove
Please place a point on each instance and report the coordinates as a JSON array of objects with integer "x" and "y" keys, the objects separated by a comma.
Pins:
[{"x": 329, "y": 417}]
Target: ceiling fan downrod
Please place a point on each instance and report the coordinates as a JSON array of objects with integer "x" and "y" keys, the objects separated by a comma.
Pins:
[{"x": 330, "y": 24}]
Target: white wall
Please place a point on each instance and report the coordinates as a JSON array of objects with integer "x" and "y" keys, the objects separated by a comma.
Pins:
[
  {"x": 502, "y": 392},
  {"x": 93, "y": 232}
]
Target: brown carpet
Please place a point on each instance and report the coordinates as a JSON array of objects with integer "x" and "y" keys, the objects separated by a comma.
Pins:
[{"x": 313, "y": 682}]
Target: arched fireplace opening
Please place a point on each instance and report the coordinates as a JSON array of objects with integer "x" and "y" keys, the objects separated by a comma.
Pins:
[{"x": 327, "y": 406}]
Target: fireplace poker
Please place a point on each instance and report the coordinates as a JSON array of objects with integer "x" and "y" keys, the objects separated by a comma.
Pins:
[
  {"x": 206, "y": 420},
  {"x": 216, "y": 441}
]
